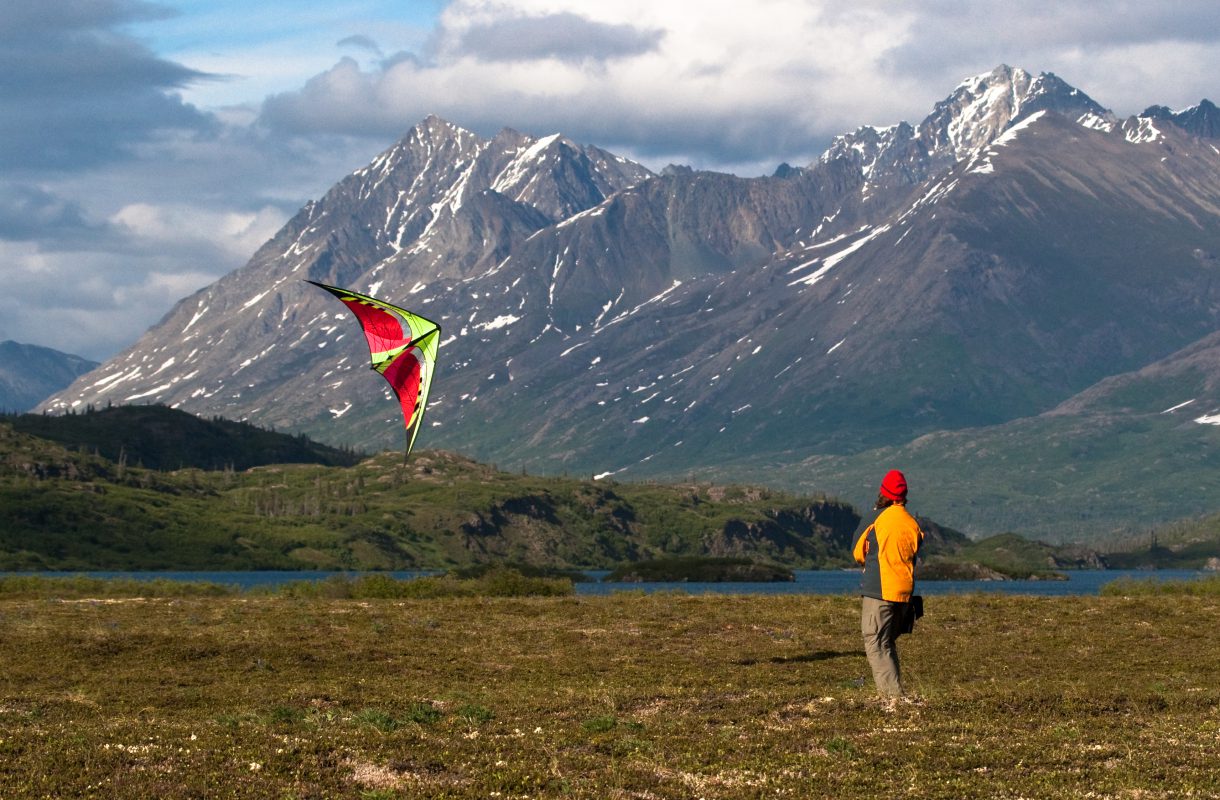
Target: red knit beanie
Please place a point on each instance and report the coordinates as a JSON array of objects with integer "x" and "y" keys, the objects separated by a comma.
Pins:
[{"x": 894, "y": 486}]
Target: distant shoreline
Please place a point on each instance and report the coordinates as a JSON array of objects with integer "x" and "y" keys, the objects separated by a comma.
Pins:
[{"x": 807, "y": 582}]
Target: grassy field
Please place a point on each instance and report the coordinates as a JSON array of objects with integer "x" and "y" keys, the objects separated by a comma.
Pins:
[{"x": 626, "y": 696}]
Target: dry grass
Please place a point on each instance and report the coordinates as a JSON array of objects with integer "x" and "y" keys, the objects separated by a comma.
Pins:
[{"x": 628, "y": 696}]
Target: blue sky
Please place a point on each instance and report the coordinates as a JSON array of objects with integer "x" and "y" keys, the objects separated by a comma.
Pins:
[
  {"x": 148, "y": 147},
  {"x": 262, "y": 48}
]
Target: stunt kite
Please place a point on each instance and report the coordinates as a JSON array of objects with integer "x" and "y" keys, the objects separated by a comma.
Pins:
[{"x": 402, "y": 347}]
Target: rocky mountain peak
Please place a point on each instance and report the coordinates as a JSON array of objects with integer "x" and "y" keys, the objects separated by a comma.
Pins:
[
  {"x": 434, "y": 129},
  {"x": 863, "y": 146},
  {"x": 1202, "y": 120},
  {"x": 442, "y": 188},
  {"x": 961, "y": 126},
  {"x": 981, "y": 108}
]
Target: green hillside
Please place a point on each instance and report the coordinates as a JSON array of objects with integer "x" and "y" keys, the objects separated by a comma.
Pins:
[
  {"x": 1188, "y": 542},
  {"x": 62, "y": 508}
]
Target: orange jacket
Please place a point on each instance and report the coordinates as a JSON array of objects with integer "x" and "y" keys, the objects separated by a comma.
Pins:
[{"x": 887, "y": 550}]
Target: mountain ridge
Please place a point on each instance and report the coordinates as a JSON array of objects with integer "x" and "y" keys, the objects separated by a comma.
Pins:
[{"x": 982, "y": 266}]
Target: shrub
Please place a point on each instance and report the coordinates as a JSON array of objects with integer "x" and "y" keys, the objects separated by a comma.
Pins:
[
  {"x": 700, "y": 570},
  {"x": 84, "y": 586},
  {"x": 375, "y": 717},
  {"x": 500, "y": 582},
  {"x": 1208, "y": 586}
]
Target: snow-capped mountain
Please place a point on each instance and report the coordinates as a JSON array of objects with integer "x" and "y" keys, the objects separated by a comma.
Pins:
[
  {"x": 1016, "y": 246},
  {"x": 977, "y": 113},
  {"x": 438, "y": 209}
]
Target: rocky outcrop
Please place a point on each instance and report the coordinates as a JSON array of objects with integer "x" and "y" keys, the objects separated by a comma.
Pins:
[
  {"x": 600, "y": 528},
  {"x": 819, "y": 535}
]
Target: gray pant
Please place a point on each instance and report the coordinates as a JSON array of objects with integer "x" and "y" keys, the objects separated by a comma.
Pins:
[{"x": 879, "y": 622}]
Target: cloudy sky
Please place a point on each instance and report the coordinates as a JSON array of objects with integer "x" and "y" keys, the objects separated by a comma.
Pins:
[{"x": 148, "y": 147}]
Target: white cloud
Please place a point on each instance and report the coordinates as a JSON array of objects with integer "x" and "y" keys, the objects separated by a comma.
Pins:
[
  {"x": 88, "y": 303},
  {"x": 235, "y": 234},
  {"x": 720, "y": 86},
  {"x": 1126, "y": 55},
  {"x": 729, "y": 85}
]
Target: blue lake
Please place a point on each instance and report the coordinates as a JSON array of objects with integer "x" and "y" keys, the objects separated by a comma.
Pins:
[{"x": 833, "y": 582}]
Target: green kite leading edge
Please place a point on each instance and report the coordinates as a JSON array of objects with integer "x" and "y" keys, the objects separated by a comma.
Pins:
[{"x": 402, "y": 347}]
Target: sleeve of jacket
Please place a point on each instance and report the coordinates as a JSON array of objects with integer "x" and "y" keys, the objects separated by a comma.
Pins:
[
  {"x": 861, "y": 549},
  {"x": 912, "y": 540}
]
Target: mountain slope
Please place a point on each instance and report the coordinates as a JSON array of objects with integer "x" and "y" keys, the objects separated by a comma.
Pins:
[
  {"x": 29, "y": 374},
  {"x": 1133, "y": 453},
  {"x": 1184, "y": 385}
]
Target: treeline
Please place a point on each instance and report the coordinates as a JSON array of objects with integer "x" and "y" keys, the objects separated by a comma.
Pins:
[{"x": 161, "y": 438}]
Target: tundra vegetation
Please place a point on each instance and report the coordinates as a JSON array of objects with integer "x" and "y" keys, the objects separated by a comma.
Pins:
[{"x": 215, "y": 693}]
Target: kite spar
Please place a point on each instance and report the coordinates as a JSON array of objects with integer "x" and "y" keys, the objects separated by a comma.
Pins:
[{"x": 402, "y": 347}]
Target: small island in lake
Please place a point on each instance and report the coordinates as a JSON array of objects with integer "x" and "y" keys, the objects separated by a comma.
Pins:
[
  {"x": 949, "y": 570},
  {"x": 699, "y": 570}
]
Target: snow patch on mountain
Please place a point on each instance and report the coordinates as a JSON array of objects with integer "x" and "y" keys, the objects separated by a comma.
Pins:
[
  {"x": 1177, "y": 407},
  {"x": 254, "y": 300},
  {"x": 516, "y": 178},
  {"x": 1142, "y": 130},
  {"x": 1010, "y": 135},
  {"x": 198, "y": 315},
  {"x": 1096, "y": 122},
  {"x": 658, "y": 298},
  {"x": 596, "y": 211},
  {"x": 980, "y": 163},
  {"x": 143, "y": 395},
  {"x": 502, "y": 321},
  {"x": 830, "y": 262}
]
